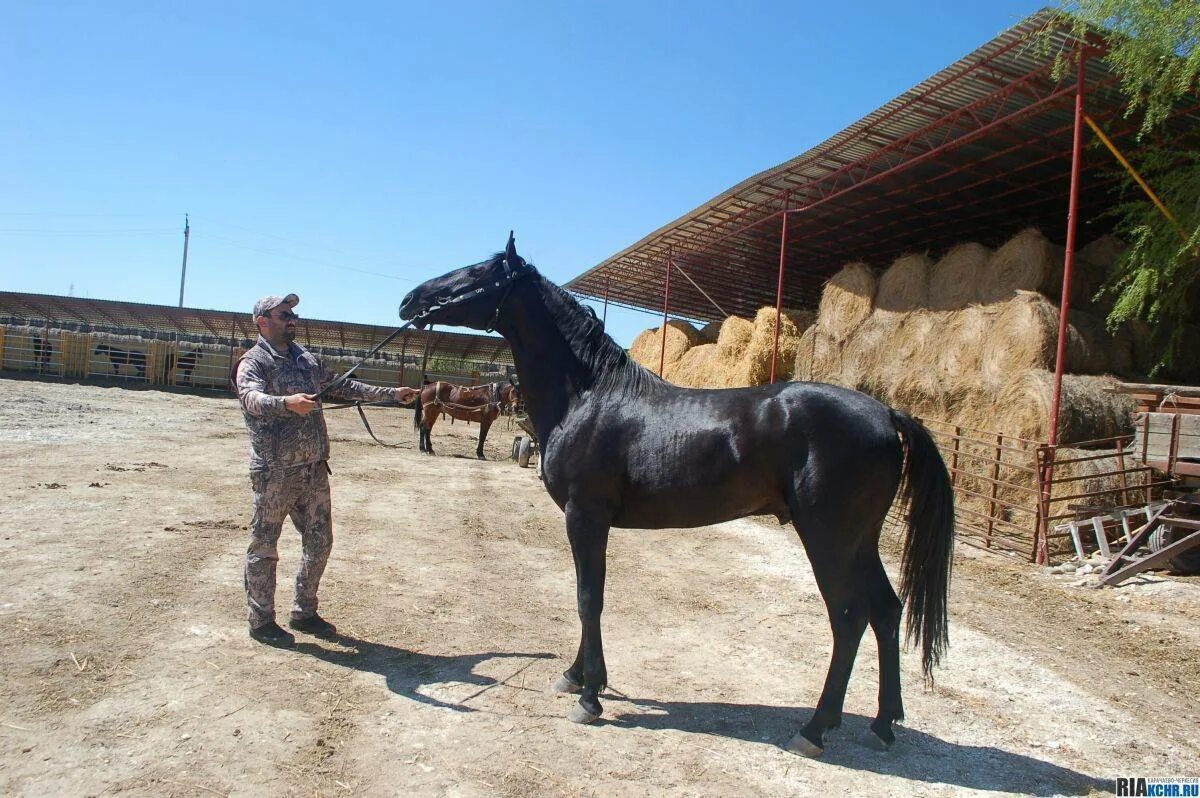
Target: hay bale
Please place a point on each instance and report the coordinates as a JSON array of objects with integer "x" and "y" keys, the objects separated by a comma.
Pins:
[
  {"x": 954, "y": 281},
  {"x": 1097, "y": 344},
  {"x": 803, "y": 318},
  {"x": 919, "y": 393},
  {"x": 1104, "y": 252},
  {"x": 761, "y": 347},
  {"x": 914, "y": 340},
  {"x": 962, "y": 338},
  {"x": 904, "y": 286},
  {"x": 1088, "y": 410},
  {"x": 847, "y": 300},
  {"x": 1026, "y": 262},
  {"x": 867, "y": 355},
  {"x": 970, "y": 403},
  {"x": 710, "y": 331},
  {"x": 695, "y": 368},
  {"x": 818, "y": 357},
  {"x": 734, "y": 337},
  {"x": 647, "y": 347},
  {"x": 1025, "y": 336}
]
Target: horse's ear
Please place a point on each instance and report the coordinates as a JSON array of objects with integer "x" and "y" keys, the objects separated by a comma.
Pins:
[{"x": 510, "y": 251}]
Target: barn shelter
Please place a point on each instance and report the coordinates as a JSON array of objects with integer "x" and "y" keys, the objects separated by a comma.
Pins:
[
  {"x": 988, "y": 147},
  {"x": 60, "y": 336}
]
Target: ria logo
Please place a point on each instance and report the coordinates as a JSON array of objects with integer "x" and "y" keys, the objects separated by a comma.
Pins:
[{"x": 1147, "y": 786}]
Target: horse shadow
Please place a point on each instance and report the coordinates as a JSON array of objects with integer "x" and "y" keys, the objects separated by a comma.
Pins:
[
  {"x": 405, "y": 672},
  {"x": 916, "y": 755}
]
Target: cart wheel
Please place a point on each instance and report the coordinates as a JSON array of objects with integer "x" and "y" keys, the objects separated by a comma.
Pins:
[
  {"x": 1187, "y": 562},
  {"x": 515, "y": 448},
  {"x": 524, "y": 449}
]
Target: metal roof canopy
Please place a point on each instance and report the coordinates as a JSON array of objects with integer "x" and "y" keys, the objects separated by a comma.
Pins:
[
  {"x": 225, "y": 327},
  {"x": 975, "y": 153}
]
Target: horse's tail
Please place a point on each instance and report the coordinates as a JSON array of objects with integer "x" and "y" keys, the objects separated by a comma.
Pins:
[
  {"x": 417, "y": 415},
  {"x": 929, "y": 544}
]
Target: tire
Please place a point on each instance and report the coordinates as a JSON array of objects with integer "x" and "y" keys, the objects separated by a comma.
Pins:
[
  {"x": 524, "y": 450},
  {"x": 1187, "y": 562},
  {"x": 516, "y": 447}
]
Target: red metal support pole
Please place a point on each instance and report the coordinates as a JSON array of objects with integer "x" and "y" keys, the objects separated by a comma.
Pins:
[
  {"x": 779, "y": 289},
  {"x": 1069, "y": 263},
  {"x": 1065, "y": 305},
  {"x": 662, "y": 352}
]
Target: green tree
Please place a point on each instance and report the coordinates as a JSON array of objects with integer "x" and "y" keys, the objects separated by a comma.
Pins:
[{"x": 1152, "y": 49}]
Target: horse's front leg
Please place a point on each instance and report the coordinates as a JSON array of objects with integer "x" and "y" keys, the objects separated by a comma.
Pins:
[{"x": 588, "y": 534}]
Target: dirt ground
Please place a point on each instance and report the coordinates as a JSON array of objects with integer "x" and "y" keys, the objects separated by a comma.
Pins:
[{"x": 125, "y": 667}]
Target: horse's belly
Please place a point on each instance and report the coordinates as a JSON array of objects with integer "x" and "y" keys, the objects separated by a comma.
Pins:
[{"x": 698, "y": 507}]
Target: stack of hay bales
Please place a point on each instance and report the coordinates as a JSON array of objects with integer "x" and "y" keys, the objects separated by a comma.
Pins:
[
  {"x": 971, "y": 339},
  {"x": 734, "y": 353},
  {"x": 968, "y": 339}
]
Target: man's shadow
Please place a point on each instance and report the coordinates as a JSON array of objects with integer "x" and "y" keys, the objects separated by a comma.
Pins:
[
  {"x": 405, "y": 672},
  {"x": 916, "y": 755}
]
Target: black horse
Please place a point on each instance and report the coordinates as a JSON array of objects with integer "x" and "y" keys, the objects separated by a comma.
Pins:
[
  {"x": 620, "y": 447},
  {"x": 123, "y": 357},
  {"x": 186, "y": 364}
]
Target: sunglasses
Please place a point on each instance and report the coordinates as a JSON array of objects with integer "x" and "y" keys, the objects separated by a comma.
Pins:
[{"x": 283, "y": 315}]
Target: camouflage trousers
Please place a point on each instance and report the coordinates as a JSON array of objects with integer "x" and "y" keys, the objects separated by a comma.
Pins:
[{"x": 301, "y": 492}]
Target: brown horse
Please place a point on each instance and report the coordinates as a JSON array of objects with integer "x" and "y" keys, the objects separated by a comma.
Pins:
[
  {"x": 510, "y": 394},
  {"x": 476, "y": 403}
]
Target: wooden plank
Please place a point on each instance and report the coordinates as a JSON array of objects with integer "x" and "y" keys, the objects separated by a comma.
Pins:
[
  {"x": 1152, "y": 560},
  {"x": 1159, "y": 433},
  {"x": 1141, "y": 536}
]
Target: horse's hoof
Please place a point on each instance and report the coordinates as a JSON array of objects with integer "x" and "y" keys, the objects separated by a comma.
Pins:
[
  {"x": 870, "y": 739},
  {"x": 804, "y": 746},
  {"x": 580, "y": 715},
  {"x": 565, "y": 685}
]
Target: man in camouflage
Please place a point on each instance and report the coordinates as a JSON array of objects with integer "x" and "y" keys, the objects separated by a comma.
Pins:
[{"x": 289, "y": 449}]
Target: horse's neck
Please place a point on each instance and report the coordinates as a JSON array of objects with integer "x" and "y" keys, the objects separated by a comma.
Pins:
[{"x": 543, "y": 357}]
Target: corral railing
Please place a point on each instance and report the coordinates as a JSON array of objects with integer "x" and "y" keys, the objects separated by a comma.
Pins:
[
  {"x": 163, "y": 359},
  {"x": 1017, "y": 497}
]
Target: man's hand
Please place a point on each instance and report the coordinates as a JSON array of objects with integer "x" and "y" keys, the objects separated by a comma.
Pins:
[{"x": 300, "y": 403}]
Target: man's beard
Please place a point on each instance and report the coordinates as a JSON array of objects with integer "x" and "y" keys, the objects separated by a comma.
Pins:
[{"x": 289, "y": 335}]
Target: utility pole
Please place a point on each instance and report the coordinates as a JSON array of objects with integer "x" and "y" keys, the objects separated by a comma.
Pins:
[{"x": 187, "y": 231}]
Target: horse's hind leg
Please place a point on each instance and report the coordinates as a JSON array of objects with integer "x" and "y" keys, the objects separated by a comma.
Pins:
[
  {"x": 885, "y": 622},
  {"x": 849, "y": 609},
  {"x": 484, "y": 425}
]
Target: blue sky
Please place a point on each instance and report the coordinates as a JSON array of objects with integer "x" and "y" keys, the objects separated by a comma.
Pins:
[{"x": 348, "y": 153}]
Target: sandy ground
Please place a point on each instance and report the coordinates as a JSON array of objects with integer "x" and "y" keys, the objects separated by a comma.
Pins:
[{"x": 125, "y": 667}]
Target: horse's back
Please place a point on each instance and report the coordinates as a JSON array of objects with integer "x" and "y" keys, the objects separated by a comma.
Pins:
[{"x": 687, "y": 457}]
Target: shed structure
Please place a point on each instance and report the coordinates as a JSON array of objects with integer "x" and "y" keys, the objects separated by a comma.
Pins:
[
  {"x": 977, "y": 152},
  {"x": 988, "y": 146}
]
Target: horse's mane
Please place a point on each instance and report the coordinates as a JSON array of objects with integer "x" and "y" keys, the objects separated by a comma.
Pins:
[{"x": 604, "y": 365}]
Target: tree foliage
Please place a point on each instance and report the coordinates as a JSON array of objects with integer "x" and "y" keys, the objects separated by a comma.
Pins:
[{"x": 1152, "y": 50}]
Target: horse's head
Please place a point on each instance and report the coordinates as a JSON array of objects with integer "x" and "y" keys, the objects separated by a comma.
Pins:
[{"x": 467, "y": 297}]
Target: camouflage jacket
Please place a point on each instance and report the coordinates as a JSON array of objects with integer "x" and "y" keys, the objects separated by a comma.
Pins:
[{"x": 280, "y": 438}]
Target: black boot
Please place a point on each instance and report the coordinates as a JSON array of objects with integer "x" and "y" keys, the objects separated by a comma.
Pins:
[
  {"x": 314, "y": 625},
  {"x": 272, "y": 635}
]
